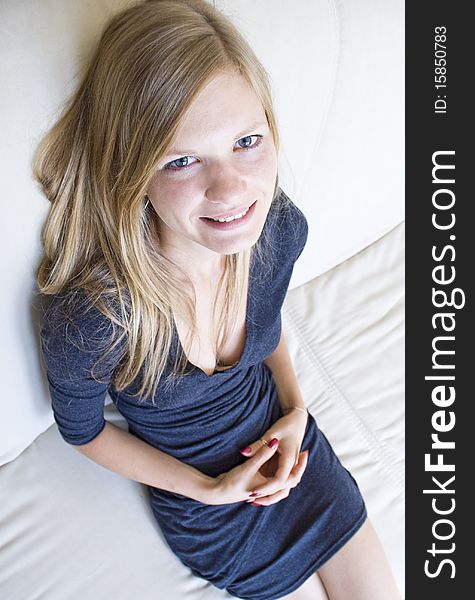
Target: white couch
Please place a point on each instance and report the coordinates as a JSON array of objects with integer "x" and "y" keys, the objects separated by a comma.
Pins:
[{"x": 71, "y": 529}]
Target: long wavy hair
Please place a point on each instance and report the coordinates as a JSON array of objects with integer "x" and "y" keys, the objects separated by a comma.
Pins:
[{"x": 96, "y": 163}]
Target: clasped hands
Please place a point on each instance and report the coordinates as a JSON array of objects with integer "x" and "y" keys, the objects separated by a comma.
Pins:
[{"x": 272, "y": 469}]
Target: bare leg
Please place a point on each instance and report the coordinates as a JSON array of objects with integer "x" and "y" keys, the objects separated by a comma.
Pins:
[
  {"x": 360, "y": 570},
  {"x": 311, "y": 589}
]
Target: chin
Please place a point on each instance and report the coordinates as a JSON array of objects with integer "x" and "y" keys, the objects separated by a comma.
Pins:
[
  {"x": 239, "y": 242},
  {"x": 234, "y": 248}
]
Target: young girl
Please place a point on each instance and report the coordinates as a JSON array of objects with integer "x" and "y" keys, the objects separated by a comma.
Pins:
[{"x": 168, "y": 251}]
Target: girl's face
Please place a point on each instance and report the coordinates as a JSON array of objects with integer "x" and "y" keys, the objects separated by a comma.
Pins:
[{"x": 223, "y": 162}]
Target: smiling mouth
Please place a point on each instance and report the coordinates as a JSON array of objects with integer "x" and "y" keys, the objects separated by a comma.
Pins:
[
  {"x": 228, "y": 219},
  {"x": 231, "y": 216},
  {"x": 233, "y": 221}
]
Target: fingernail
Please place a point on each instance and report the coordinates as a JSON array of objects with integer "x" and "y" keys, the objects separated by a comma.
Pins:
[
  {"x": 256, "y": 504},
  {"x": 246, "y": 450},
  {"x": 254, "y": 494},
  {"x": 273, "y": 443}
]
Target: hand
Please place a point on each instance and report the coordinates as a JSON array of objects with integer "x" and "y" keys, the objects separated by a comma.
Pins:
[
  {"x": 286, "y": 468},
  {"x": 237, "y": 484}
]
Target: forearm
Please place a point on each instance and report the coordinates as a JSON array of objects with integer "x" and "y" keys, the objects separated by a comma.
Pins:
[
  {"x": 288, "y": 389},
  {"x": 123, "y": 453}
]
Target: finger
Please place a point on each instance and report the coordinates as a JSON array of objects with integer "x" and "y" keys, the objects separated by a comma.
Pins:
[
  {"x": 299, "y": 469},
  {"x": 263, "y": 454},
  {"x": 253, "y": 448},
  {"x": 270, "y": 487},
  {"x": 286, "y": 464},
  {"x": 272, "y": 498},
  {"x": 273, "y": 485},
  {"x": 294, "y": 480}
]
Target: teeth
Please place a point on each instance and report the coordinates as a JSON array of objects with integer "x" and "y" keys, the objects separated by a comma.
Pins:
[{"x": 238, "y": 216}]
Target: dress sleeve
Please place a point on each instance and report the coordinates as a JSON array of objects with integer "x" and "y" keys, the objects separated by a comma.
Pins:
[
  {"x": 73, "y": 343},
  {"x": 293, "y": 228},
  {"x": 282, "y": 241}
]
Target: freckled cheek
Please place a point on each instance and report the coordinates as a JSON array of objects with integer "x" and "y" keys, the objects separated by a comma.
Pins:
[
  {"x": 178, "y": 197},
  {"x": 263, "y": 171}
]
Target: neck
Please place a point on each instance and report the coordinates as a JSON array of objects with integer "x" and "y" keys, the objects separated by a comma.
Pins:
[{"x": 199, "y": 264}]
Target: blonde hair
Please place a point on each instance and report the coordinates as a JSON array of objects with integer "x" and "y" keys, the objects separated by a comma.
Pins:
[{"x": 97, "y": 161}]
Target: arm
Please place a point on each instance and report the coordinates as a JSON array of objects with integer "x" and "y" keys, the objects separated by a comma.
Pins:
[
  {"x": 71, "y": 347},
  {"x": 123, "y": 453},
  {"x": 126, "y": 455},
  {"x": 289, "y": 430},
  {"x": 288, "y": 390}
]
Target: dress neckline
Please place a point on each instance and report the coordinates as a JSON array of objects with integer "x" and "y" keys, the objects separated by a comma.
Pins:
[{"x": 246, "y": 338}]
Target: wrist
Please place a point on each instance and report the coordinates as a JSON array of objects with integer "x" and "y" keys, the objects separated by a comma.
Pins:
[
  {"x": 206, "y": 489},
  {"x": 194, "y": 484}
]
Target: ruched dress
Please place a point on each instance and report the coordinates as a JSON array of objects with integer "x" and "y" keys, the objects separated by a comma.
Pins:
[{"x": 255, "y": 553}]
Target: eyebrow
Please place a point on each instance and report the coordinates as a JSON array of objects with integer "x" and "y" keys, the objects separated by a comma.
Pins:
[{"x": 183, "y": 152}]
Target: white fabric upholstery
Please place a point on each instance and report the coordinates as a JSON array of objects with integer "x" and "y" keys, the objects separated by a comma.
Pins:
[
  {"x": 337, "y": 68},
  {"x": 337, "y": 72},
  {"x": 346, "y": 337},
  {"x": 42, "y": 45},
  {"x": 71, "y": 529}
]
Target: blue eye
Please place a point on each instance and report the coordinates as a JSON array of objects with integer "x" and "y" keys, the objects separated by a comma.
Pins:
[
  {"x": 180, "y": 163},
  {"x": 249, "y": 141}
]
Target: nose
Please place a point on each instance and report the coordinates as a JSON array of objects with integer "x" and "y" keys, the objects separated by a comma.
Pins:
[{"x": 225, "y": 186}]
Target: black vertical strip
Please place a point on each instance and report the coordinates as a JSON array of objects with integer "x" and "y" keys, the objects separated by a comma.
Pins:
[{"x": 439, "y": 546}]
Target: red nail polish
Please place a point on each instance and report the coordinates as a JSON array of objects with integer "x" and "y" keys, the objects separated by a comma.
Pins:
[
  {"x": 273, "y": 443},
  {"x": 246, "y": 450},
  {"x": 256, "y": 504},
  {"x": 254, "y": 494}
]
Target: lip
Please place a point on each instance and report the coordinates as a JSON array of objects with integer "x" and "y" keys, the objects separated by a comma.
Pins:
[
  {"x": 228, "y": 214},
  {"x": 235, "y": 223}
]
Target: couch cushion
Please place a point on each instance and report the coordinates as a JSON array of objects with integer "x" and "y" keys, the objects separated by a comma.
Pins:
[{"x": 71, "y": 529}]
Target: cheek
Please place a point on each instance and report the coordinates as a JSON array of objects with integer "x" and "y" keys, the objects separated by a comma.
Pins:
[
  {"x": 170, "y": 197},
  {"x": 265, "y": 168}
]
